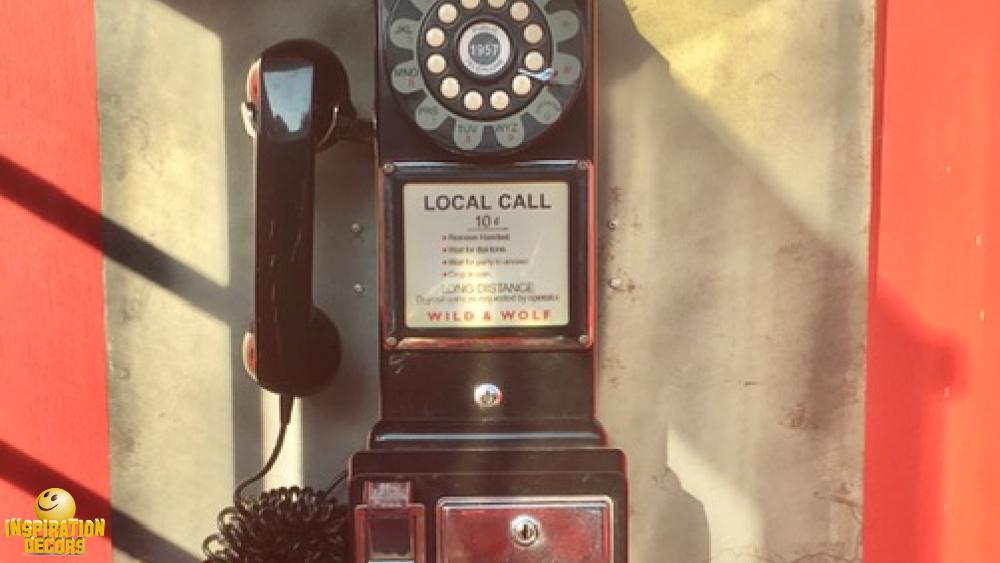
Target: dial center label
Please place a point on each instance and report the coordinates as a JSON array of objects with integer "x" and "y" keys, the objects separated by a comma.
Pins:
[
  {"x": 484, "y": 49},
  {"x": 486, "y": 254}
]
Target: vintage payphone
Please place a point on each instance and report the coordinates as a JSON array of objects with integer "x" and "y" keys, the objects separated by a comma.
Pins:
[{"x": 487, "y": 448}]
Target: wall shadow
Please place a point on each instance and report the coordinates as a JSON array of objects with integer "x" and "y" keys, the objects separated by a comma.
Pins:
[
  {"x": 49, "y": 203},
  {"x": 915, "y": 372},
  {"x": 735, "y": 327}
]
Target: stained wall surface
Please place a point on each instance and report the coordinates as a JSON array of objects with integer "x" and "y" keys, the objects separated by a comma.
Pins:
[{"x": 734, "y": 188}]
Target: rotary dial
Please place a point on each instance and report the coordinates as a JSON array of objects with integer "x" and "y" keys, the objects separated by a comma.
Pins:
[{"x": 486, "y": 76}]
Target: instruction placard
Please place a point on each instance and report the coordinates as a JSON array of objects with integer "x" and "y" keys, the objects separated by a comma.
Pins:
[{"x": 486, "y": 254}]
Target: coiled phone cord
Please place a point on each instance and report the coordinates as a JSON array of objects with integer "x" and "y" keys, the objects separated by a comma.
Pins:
[{"x": 287, "y": 524}]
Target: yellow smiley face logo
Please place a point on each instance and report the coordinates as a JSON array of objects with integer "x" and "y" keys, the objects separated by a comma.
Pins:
[{"x": 55, "y": 504}]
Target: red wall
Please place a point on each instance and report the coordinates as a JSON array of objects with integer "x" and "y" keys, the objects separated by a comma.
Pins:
[
  {"x": 53, "y": 414},
  {"x": 933, "y": 442}
]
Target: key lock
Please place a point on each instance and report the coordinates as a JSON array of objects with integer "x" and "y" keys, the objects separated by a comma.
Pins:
[
  {"x": 525, "y": 531},
  {"x": 487, "y": 448}
]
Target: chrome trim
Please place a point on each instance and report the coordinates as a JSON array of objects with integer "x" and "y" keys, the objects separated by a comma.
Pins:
[{"x": 526, "y": 504}]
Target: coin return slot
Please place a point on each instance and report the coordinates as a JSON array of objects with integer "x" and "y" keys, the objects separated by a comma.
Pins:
[
  {"x": 389, "y": 526},
  {"x": 390, "y": 538}
]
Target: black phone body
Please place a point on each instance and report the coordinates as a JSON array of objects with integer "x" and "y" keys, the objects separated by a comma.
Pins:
[
  {"x": 486, "y": 153},
  {"x": 428, "y": 372}
]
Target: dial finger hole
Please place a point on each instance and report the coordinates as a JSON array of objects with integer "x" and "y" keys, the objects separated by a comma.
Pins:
[
  {"x": 500, "y": 100},
  {"x": 435, "y": 37},
  {"x": 436, "y": 64},
  {"x": 520, "y": 11},
  {"x": 447, "y": 13},
  {"x": 534, "y": 34},
  {"x": 470, "y": 4},
  {"x": 521, "y": 85},
  {"x": 534, "y": 61},
  {"x": 497, "y": 4},
  {"x": 473, "y": 101},
  {"x": 450, "y": 88}
]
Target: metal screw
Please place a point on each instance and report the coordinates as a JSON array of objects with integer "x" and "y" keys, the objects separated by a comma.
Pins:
[
  {"x": 391, "y": 341},
  {"x": 584, "y": 339},
  {"x": 488, "y": 396},
  {"x": 613, "y": 224},
  {"x": 525, "y": 531},
  {"x": 389, "y": 168},
  {"x": 358, "y": 288},
  {"x": 356, "y": 228},
  {"x": 615, "y": 283}
]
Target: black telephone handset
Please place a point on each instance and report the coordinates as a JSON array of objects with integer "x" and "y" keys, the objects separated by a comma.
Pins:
[
  {"x": 487, "y": 448},
  {"x": 298, "y": 104}
]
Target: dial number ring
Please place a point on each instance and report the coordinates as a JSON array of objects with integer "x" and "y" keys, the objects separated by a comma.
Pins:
[
  {"x": 485, "y": 50},
  {"x": 494, "y": 119}
]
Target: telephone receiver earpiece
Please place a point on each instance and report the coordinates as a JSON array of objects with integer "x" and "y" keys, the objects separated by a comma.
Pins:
[{"x": 298, "y": 103}]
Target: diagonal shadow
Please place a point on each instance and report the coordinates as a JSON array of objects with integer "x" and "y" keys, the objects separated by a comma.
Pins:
[
  {"x": 49, "y": 203},
  {"x": 129, "y": 535}
]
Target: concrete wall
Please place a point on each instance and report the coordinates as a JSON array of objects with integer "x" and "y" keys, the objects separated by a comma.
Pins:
[{"x": 734, "y": 191}]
